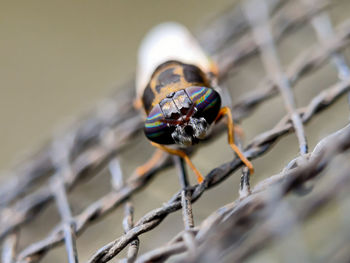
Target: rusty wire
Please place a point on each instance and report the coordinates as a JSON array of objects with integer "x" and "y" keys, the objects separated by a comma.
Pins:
[{"x": 94, "y": 141}]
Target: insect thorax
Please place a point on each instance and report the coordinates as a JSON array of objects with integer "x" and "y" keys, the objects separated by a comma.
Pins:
[{"x": 171, "y": 77}]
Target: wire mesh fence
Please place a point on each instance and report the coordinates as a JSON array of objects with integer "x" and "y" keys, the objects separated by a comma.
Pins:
[{"x": 240, "y": 230}]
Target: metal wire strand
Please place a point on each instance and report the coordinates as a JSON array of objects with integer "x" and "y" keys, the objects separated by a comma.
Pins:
[
  {"x": 258, "y": 17},
  {"x": 9, "y": 248},
  {"x": 68, "y": 226},
  {"x": 227, "y": 220},
  {"x": 95, "y": 142},
  {"x": 128, "y": 221}
]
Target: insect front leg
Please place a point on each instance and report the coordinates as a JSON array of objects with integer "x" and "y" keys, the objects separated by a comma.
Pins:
[
  {"x": 150, "y": 164},
  {"x": 137, "y": 104},
  {"x": 226, "y": 111},
  {"x": 183, "y": 155}
]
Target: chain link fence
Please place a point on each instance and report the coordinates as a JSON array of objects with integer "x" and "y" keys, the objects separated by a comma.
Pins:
[{"x": 264, "y": 224}]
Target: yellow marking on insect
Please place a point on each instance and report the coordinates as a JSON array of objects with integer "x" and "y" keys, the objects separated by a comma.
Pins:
[
  {"x": 153, "y": 86},
  {"x": 179, "y": 70},
  {"x": 169, "y": 89}
]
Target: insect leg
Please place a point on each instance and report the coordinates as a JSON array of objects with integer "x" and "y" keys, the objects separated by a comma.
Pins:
[
  {"x": 214, "y": 68},
  {"x": 226, "y": 111},
  {"x": 183, "y": 155},
  {"x": 138, "y": 104},
  {"x": 143, "y": 169}
]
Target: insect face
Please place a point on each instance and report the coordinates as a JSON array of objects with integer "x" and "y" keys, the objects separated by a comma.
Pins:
[{"x": 183, "y": 117}]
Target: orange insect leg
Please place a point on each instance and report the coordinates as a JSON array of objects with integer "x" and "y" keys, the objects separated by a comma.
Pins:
[
  {"x": 183, "y": 155},
  {"x": 137, "y": 103},
  {"x": 226, "y": 111},
  {"x": 143, "y": 169}
]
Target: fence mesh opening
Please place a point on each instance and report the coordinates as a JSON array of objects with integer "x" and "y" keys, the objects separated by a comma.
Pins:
[{"x": 284, "y": 72}]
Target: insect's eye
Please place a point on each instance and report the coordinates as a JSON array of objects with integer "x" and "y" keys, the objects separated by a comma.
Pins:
[
  {"x": 155, "y": 129},
  {"x": 207, "y": 102}
]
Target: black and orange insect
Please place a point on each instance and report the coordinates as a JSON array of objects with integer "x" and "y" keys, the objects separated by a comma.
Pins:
[{"x": 174, "y": 87}]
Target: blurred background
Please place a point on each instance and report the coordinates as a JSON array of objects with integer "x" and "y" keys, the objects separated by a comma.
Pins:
[{"x": 58, "y": 59}]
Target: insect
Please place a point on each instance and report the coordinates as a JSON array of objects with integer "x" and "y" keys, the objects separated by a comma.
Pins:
[{"x": 174, "y": 86}]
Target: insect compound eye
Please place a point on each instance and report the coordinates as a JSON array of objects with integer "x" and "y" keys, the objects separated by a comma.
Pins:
[
  {"x": 155, "y": 129},
  {"x": 207, "y": 102}
]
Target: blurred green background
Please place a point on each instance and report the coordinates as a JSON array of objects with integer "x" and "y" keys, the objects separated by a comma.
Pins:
[{"x": 59, "y": 58}]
